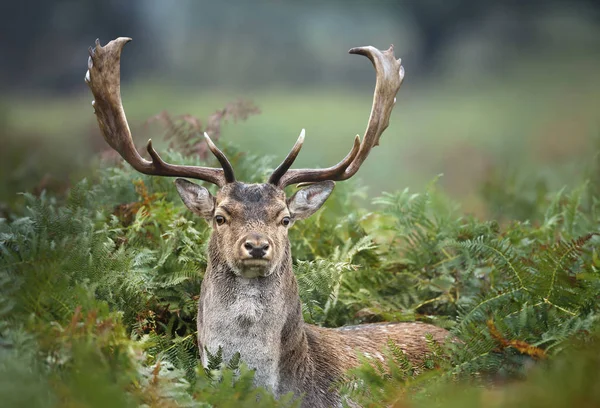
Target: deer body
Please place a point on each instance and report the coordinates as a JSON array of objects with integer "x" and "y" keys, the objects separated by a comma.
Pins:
[
  {"x": 261, "y": 317},
  {"x": 242, "y": 315},
  {"x": 249, "y": 301}
]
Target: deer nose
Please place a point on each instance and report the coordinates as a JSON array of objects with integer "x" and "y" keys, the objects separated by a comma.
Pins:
[{"x": 256, "y": 246}]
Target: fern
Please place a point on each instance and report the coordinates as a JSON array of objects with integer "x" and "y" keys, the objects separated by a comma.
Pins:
[{"x": 105, "y": 281}]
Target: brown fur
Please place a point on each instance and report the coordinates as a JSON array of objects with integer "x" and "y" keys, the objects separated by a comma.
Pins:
[{"x": 259, "y": 314}]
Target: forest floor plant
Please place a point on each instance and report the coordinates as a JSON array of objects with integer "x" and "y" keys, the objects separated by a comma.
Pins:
[{"x": 99, "y": 290}]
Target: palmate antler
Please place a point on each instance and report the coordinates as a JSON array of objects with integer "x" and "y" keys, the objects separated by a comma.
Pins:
[
  {"x": 390, "y": 74},
  {"x": 103, "y": 78}
]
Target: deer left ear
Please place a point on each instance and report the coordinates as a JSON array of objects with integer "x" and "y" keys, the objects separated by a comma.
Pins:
[
  {"x": 196, "y": 198},
  {"x": 308, "y": 200}
]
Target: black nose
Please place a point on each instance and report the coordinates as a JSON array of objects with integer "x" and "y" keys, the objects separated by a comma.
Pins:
[{"x": 256, "y": 249}]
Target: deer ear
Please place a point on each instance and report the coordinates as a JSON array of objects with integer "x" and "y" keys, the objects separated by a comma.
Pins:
[
  {"x": 307, "y": 201},
  {"x": 196, "y": 198}
]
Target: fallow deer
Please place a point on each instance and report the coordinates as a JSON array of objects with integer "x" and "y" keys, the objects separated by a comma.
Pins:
[{"x": 249, "y": 299}]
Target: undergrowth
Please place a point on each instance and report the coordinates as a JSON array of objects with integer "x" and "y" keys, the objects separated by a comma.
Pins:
[{"x": 99, "y": 293}]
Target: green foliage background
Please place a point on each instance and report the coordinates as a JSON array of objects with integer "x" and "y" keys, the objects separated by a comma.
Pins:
[{"x": 99, "y": 290}]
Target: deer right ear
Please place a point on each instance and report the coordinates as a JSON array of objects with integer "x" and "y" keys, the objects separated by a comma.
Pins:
[
  {"x": 306, "y": 201},
  {"x": 196, "y": 198}
]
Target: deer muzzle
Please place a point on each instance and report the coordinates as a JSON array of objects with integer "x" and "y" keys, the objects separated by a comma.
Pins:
[
  {"x": 255, "y": 255},
  {"x": 255, "y": 247}
]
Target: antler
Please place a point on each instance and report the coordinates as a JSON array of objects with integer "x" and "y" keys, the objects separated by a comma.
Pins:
[
  {"x": 103, "y": 78},
  {"x": 390, "y": 74}
]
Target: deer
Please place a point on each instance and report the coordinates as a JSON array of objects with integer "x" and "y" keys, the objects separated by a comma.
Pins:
[{"x": 249, "y": 302}]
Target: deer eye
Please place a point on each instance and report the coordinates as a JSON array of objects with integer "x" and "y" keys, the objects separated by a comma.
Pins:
[
  {"x": 220, "y": 220},
  {"x": 286, "y": 221}
]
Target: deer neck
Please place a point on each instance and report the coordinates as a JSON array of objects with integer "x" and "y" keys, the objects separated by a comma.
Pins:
[{"x": 261, "y": 318}]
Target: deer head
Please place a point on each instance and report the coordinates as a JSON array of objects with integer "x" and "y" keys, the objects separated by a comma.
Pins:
[{"x": 250, "y": 221}]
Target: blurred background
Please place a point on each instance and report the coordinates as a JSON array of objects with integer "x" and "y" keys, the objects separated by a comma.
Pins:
[{"x": 493, "y": 90}]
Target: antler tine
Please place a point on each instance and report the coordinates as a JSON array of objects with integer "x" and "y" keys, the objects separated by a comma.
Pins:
[
  {"x": 103, "y": 78},
  {"x": 283, "y": 177},
  {"x": 288, "y": 161},
  {"x": 390, "y": 75},
  {"x": 227, "y": 168}
]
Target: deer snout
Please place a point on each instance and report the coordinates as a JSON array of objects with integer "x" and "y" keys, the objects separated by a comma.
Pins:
[{"x": 256, "y": 246}]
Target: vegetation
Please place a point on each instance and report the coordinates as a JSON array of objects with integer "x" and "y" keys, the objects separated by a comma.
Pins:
[{"x": 99, "y": 288}]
